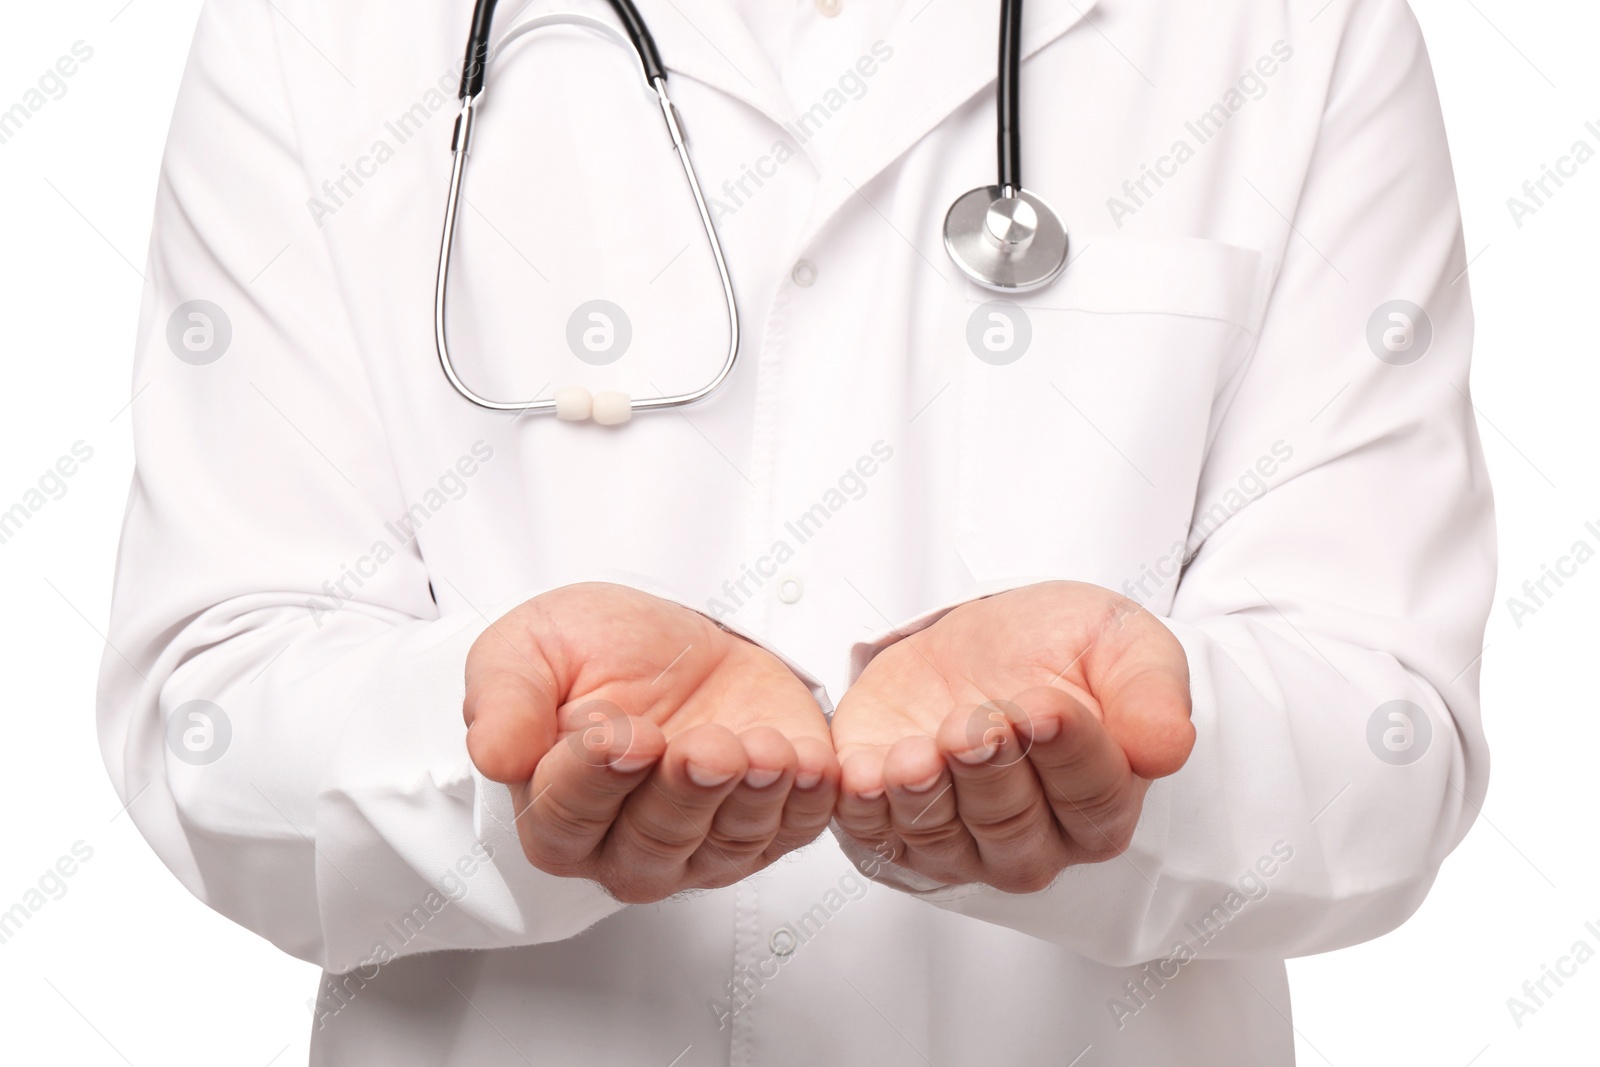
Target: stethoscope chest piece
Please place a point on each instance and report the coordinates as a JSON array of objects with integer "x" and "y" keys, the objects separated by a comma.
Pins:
[{"x": 1006, "y": 240}]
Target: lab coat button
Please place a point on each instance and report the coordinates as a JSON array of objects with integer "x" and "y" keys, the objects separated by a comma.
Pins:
[
  {"x": 790, "y": 590},
  {"x": 830, "y": 8},
  {"x": 783, "y": 942},
  {"x": 804, "y": 273}
]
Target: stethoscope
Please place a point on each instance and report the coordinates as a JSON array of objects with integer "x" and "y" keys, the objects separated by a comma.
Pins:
[{"x": 1001, "y": 236}]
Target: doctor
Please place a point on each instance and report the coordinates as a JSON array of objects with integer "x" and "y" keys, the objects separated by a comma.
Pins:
[{"x": 1151, "y": 599}]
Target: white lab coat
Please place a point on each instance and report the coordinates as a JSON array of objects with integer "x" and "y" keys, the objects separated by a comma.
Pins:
[{"x": 319, "y": 526}]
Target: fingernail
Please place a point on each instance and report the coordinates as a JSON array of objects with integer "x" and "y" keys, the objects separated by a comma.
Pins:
[
  {"x": 871, "y": 794},
  {"x": 631, "y": 764},
  {"x": 707, "y": 779},
  {"x": 807, "y": 779},
  {"x": 1045, "y": 731},
  {"x": 760, "y": 778},
  {"x": 976, "y": 756},
  {"x": 924, "y": 785}
]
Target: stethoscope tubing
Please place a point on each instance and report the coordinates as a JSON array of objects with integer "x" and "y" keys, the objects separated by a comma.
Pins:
[
  {"x": 475, "y": 65},
  {"x": 478, "y": 54},
  {"x": 1008, "y": 96}
]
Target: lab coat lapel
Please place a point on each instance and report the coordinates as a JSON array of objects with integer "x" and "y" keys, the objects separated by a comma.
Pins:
[
  {"x": 707, "y": 41},
  {"x": 944, "y": 52}
]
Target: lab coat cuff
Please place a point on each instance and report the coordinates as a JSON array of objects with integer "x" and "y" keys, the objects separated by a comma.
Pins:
[{"x": 405, "y": 821}]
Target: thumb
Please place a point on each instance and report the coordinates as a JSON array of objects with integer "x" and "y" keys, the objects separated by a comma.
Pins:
[
  {"x": 510, "y": 706},
  {"x": 1143, "y": 689}
]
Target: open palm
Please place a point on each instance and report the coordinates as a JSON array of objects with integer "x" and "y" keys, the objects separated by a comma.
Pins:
[
  {"x": 1014, "y": 737},
  {"x": 646, "y": 748}
]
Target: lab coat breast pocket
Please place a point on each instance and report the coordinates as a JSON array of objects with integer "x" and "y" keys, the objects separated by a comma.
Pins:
[{"x": 1086, "y": 406}]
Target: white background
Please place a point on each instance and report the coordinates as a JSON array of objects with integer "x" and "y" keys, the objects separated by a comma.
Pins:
[{"x": 126, "y": 967}]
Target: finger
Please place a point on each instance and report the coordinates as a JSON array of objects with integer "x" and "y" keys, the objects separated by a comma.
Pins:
[
  {"x": 1142, "y": 683},
  {"x": 863, "y": 809},
  {"x": 665, "y": 819},
  {"x": 812, "y": 796},
  {"x": 564, "y": 813},
  {"x": 1086, "y": 776},
  {"x": 749, "y": 818},
  {"x": 923, "y": 812},
  {"x": 999, "y": 798}
]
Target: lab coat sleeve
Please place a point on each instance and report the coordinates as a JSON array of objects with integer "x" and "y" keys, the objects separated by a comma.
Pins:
[
  {"x": 280, "y": 700},
  {"x": 1333, "y": 613}
]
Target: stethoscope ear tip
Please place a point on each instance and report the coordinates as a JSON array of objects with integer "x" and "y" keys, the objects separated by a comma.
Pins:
[{"x": 1006, "y": 240}]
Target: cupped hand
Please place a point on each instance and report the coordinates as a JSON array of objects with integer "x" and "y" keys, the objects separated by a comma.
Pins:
[
  {"x": 646, "y": 748},
  {"x": 1014, "y": 737}
]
